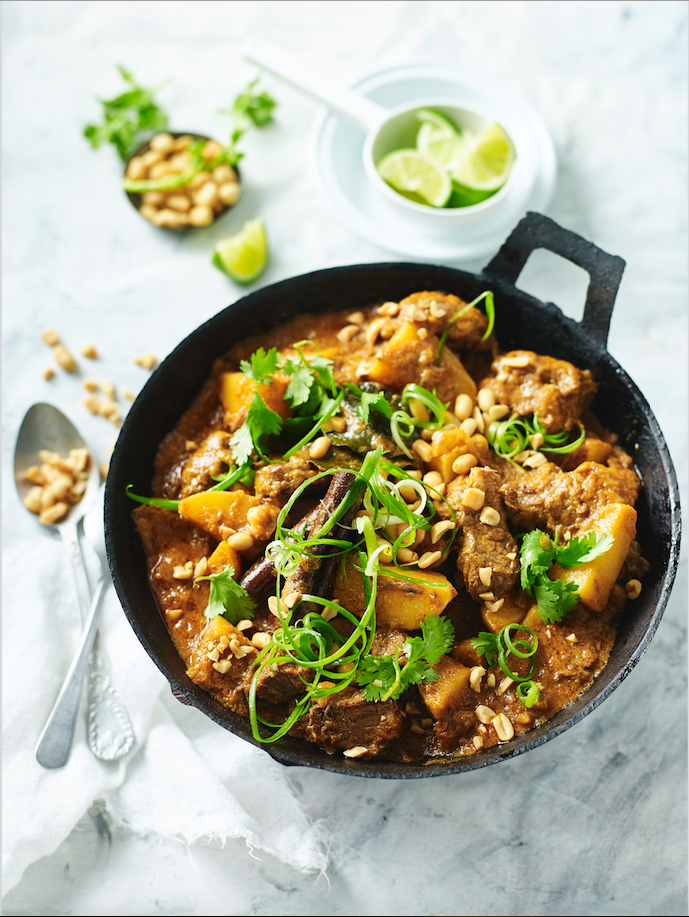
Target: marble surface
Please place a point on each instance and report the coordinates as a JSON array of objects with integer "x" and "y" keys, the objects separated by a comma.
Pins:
[{"x": 591, "y": 823}]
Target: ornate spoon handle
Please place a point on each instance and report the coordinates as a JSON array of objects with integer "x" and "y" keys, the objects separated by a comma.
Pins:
[
  {"x": 109, "y": 729},
  {"x": 110, "y": 732}
]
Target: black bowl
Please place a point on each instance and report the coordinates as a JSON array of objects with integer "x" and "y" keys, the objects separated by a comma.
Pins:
[
  {"x": 522, "y": 322},
  {"x": 136, "y": 199}
]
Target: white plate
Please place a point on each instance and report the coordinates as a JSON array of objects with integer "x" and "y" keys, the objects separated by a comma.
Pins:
[{"x": 336, "y": 161}]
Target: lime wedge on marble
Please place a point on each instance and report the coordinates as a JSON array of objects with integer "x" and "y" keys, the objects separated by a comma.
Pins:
[{"x": 244, "y": 257}]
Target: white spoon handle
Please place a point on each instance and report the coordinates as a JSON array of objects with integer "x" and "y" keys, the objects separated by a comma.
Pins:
[{"x": 350, "y": 105}]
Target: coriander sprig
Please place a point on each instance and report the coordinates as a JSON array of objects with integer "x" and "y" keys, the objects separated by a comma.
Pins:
[
  {"x": 538, "y": 552},
  {"x": 227, "y": 597},
  {"x": 387, "y": 677},
  {"x": 127, "y": 116}
]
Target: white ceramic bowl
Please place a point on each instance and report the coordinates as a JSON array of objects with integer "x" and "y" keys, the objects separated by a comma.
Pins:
[{"x": 399, "y": 131}]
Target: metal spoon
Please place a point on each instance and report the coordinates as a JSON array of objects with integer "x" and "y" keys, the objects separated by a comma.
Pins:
[
  {"x": 110, "y": 731},
  {"x": 45, "y": 427}
]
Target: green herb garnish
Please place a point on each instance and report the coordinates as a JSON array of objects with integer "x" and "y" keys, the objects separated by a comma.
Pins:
[
  {"x": 507, "y": 438},
  {"x": 385, "y": 678},
  {"x": 403, "y": 425},
  {"x": 243, "y": 474},
  {"x": 538, "y": 552},
  {"x": 127, "y": 116},
  {"x": 227, "y": 597},
  {"x": 501, "y": 645},
  {"x": 490, "y": 315},
  {"x": 248, "y": 109}
]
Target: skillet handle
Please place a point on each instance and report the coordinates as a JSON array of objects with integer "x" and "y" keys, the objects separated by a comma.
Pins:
[{"x": 604, "y": 270}]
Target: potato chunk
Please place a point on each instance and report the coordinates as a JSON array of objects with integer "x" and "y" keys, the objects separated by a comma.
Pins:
[
  {"x": 400, "y": 603},
  {"x": 237, "y": 392},
  {"x": 450, "y": 691},
  {"x": 596, "y": 578},
  {"x": 224, "y": 556},
  {"x": 212, "y": 509}
]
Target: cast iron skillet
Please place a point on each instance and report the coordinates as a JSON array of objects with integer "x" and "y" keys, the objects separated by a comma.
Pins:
[{"x": 522, "y": 322}]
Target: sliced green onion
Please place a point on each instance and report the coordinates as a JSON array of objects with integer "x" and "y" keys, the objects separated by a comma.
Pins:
[
  {"x": 312, "y": 432},
  {"x": 490, "y": 315},
  {"x": 528, "y": 692},
  {"x": 153, "y": 501}
]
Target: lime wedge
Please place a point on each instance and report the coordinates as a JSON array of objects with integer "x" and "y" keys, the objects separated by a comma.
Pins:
[
  {"x": 243, "y": 257},
  {"x": 466, "y": 197},
  {"x": 486, "y": 160},
  {"x": 439, "y": 121},
  {"x": 442, "y": 145},
  {"x": 409, "y": 172}
]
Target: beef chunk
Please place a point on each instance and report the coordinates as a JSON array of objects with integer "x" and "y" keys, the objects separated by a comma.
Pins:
[
  {"x": 345, "y": 720},
  {"x": 277, "y": 483},
  {"x": 554, "y": 390},
  {"x": 560, "y": 501},
  {"x": 279, "y": 683},
  {"x": 484, "y": 545},
  {"x": 436, "y": 310},
  {"x": 214, "y": 666},
  {"x": 212, "y": 458},
  {"x": 451, "y": 701}
]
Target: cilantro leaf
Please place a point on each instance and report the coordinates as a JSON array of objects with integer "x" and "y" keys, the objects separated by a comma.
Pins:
[
  {"x": 486, "y": 644},
  {"x": 249, "y": 108},
  {"x": 299, "y": 386},
  {"x": 260, "y": 420},
  {"x": 437, "y": 637},
  {"x": 242, "y": 444},
  {"x": 582, "y": 549},
  {"x": 227, "y": 597},
  {"x": 374, "y": 401},
  {"x": 384, "y": 679},
  {"x": 536, "y": 554},
  {"x": 126, "y": 117},
  {"x": 555, "y": 598},
  {"x": 262, "y": 367},
  {"x": 417, "y": 671},
  {"x": 256, "y": 107},
  {"x": 377, "y": 675},
  {"x": 323, "y": 368}
]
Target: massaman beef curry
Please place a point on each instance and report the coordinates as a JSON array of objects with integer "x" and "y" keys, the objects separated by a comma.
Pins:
[{"x": 378, "y": 533}]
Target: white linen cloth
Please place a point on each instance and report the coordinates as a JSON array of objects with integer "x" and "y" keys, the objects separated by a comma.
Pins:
[{"x": 186, "y": 779}]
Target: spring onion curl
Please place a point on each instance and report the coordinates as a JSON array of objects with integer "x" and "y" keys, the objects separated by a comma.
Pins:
[
  {"x": 231, "y": 477},
  {"x": 309, "y": 640},
  {"x": 490, "y": 315},
  {"x": 507, "y": 438},
  {"x": 528, "y": 692},
  {"x": 403, "y": 425},
  {"x": 521, "y": 648},
  {"x": 502, "y": 644}
]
